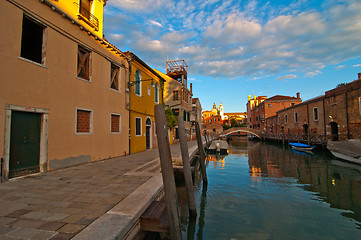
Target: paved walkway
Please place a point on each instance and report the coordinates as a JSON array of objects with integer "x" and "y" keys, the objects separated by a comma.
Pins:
[{"x": 100, "y": 200}]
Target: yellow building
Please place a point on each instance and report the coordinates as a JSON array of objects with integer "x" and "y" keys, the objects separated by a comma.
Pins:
[
  {"x": 63, "y": 87},
  {"x": 145, "y": 89}
]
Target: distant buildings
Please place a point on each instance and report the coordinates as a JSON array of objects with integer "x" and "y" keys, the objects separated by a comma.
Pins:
[{"x": 335, "y": 115}]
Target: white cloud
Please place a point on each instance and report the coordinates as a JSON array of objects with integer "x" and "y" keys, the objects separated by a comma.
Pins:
[
  {"x": 290, "y": 76},
  {"x": 155, "y": 23},
  {"x": 357, "y": 65}
]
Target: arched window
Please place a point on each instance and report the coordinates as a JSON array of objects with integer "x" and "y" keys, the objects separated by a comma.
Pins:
[
  {"x": 156, "y": 93},
  {"x": 137, "y": 85}
]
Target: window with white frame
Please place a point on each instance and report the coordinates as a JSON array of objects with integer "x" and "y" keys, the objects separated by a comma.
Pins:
[
  {"x": 296, "y": 117},
  {"x": 114, "y": 77},
  {"x": 84, "y": 119},
  {"x": 156, "y": 93},
  {"x": 315, "y": 114},
  {"x": 32, "y": 40},
  {"x": 138, "y": 126},
  {"x": 115, "y": 123},
  {"x": 138, "y": 83}
]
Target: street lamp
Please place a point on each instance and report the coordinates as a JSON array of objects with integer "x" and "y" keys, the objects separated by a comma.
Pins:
[{"x": 130, "y": 84}]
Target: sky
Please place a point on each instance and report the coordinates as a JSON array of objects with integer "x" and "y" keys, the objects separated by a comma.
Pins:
[{"x": 236, "y": 48}]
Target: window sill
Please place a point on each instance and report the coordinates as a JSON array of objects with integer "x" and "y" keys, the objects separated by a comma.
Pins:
[
  {"x": 85, "y": 80},
  {"x": 114, "y": 90},
  {"x": 115, "y": 133},
  {"x": 35, "y": 63},
  {"x": 83, "y": 133}
]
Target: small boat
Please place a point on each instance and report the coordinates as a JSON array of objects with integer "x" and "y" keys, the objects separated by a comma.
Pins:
[
  {"x": 349, "y": 150},
  {"x": 220, "y": 146},
  {"x": 301, "y": 146}
]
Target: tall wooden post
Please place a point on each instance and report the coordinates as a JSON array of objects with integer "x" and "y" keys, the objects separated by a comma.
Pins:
[
  {"x": 187, "y": 172},
  {"x": 309, "y": 136},
  {"x": 167, "y": 172},
  {"x": 202, "y": 156}
]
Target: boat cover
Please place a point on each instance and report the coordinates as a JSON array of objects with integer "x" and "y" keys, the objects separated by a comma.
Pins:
[
  {"x": 350, "y": 147},
  {"x": 300, "y": 145}
]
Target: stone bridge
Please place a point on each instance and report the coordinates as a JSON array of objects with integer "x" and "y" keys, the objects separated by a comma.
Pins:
[{"x": 241, "y": 129}]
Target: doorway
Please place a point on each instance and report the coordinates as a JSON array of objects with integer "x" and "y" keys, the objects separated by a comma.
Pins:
[
  {"x": 148, "y": 126},
  {"x": 26, "y": 141},
  {"x": 334, "y": 131}
]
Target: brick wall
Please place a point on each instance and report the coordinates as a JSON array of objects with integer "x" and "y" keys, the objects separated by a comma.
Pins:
[{"x": 83, "y": 121}]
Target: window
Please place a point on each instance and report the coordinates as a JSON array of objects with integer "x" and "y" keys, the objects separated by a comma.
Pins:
[
  {"x": 156, "y": 93},
  {"x": 188, "y": 116},
  {"x": 83, "y": 121},
  {"x": 279, "y": 120},
  {"x": 268, "y": 105},
  {"x": 286, "y": 119},
  {"x": 114, "y": 77},
  {"x": 292, "y": 104},
  {"x": 184, "y": 115},
  {"x": 315, "y": 114},
  {"x": 115, "y": 123},
  {"x": 138, "y": 126},
  {"x": 359, "y": 104},
  {"x": 83, "y": 63},
  {"x": 175, "y": 96},
  {"x": 138, "y": 83},
  {"x": 296, "y": 117},
  {"x": 32, "y": 45}
]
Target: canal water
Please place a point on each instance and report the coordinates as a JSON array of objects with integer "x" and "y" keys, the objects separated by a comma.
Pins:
[{"x": 263, "y": 191}]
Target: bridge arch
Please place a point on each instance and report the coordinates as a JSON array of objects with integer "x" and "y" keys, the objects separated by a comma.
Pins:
[{"x": 241, "y": 129}]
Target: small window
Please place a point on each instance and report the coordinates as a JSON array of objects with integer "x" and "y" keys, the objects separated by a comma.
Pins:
[
  {"x": 115, "y": 123},
  {"x": 138, "y": 83},
  {"x": 268, "y": 105},
  {"x": 138, "y": 126},
  {"x": 83, "y": 121},
  {"x": 296, "y": 117},
  {"x": 175, "y": 96},
  {"x": 114, "y": 77},
  {"x": 279, "y": 120},
  {"x": 83, "y": 63},
  {"x": 32, "y": 40},
  {"x": 315, "y": 114},
  {"x": 156, "y": 93},
  {"x": 292, "y": 104},
  {"x": 184, "y": 115},
  {"x": 286, "y": 119}
]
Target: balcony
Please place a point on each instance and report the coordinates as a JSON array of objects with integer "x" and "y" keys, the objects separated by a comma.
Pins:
[{"x": 87, "y": 16}]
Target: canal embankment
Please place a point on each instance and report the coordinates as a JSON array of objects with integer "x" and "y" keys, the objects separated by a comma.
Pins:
[{"x": 100, "y": 200}]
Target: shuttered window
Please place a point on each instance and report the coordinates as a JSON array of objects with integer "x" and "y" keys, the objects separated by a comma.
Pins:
[{"x": 83, "y": 63}]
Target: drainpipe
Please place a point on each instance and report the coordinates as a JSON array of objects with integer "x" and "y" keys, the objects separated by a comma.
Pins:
[
  {"x": 324, "y": 119},
  {"x": 130, "y": 71},
  {"x": 346, "y": 106}
]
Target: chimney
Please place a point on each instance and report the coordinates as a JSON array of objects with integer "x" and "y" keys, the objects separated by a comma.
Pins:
[
  {"x": 359, "y": 75},
  {"x": 191, "y": 88},
  {"x": 298, "y": 95}
]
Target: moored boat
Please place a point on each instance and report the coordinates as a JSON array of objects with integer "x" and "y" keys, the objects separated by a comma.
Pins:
[
  {"x": 349, "y": 150},
  {"x": 301, "y": 146},
  {"x": 220, "y": 146}
]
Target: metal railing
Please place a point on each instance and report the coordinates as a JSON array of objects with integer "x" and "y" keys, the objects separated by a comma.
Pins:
[{"x": 87, "y": 16}]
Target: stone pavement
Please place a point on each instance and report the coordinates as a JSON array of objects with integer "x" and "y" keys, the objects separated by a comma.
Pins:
[{"x": 100, "y": 200}]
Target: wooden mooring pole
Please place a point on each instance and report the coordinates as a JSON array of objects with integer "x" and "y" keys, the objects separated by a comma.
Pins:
[
  {"x": 202, "y": 156},
  {"x": 187, "y": 172},
  {"x": 170, "y": 192}
]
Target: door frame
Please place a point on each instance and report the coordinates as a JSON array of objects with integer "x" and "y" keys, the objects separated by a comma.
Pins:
[{"x": 43, "y": 158}]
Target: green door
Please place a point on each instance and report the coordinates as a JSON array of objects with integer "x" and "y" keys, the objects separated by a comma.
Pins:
[{"x": 24, "y": 143}]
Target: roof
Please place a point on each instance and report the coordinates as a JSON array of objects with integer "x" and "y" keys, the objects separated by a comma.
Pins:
[
  {"x": 133, "y": 56},
  {"x": 281, "y": 98}
]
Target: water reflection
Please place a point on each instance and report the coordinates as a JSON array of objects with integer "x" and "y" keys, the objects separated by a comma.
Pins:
[
  {"x": 265, "y": 191},
  {"x": 335, "y": 182}
]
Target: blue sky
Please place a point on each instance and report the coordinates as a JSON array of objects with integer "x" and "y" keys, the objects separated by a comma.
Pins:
[{"x": 236, "y": 48}]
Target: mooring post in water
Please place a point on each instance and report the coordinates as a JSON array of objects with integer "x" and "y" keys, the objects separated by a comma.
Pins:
[
  {"x": 187, "y": 172},
  {"x": 170, "y": 192},
  {"x": 202, "y": 156}
]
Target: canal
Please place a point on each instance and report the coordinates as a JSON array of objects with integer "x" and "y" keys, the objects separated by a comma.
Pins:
[{"x": 265, "y": 191}]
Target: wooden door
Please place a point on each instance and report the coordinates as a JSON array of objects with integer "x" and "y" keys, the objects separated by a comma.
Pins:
[{"x": 24, "y": 143}]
